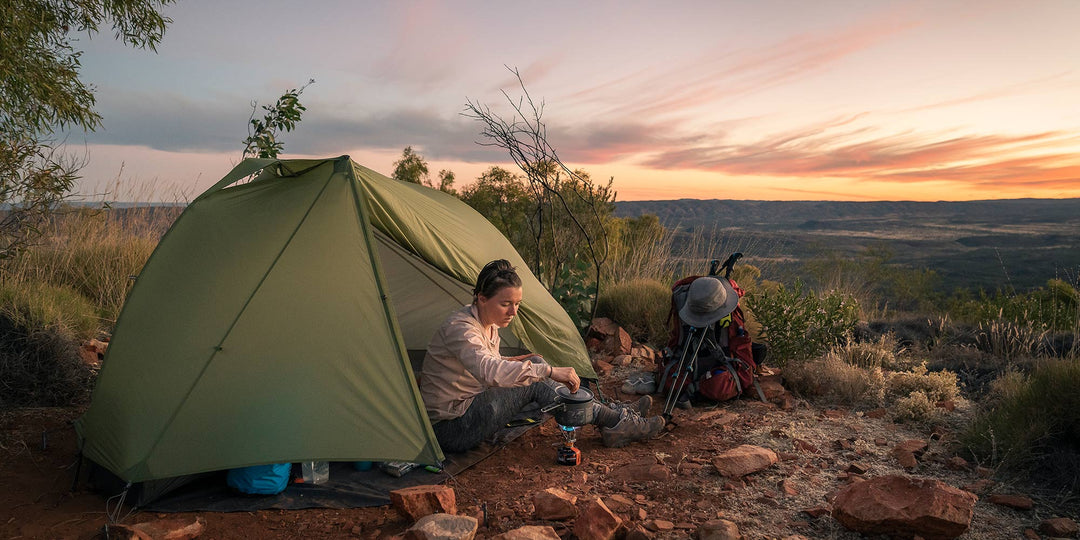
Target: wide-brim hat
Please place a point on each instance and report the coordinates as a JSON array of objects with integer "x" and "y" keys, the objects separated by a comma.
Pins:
[{"x": 708, "y": 300}]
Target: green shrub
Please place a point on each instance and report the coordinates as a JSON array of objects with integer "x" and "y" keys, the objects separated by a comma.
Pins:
[
  {"x": 800, "y": 325},
  {"x": 640, "y": 306},
  {"x": 1032, "y": 422},
  {"x": 1055, "y": 307}
]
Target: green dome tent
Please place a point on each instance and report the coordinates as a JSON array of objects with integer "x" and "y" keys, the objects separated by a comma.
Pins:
[{"x": 276, "y": 319}]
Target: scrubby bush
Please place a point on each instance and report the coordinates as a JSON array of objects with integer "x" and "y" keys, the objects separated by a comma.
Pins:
[
  {"x": 934, "y": 385},
  {"x": 884, "y": 352},
  {"x": 1032, "y": 422},
  {"x": 799, "y": 325},
  {"x": 640, "y": 306},
  {"x": 916, "y": 407},
  {"x": 831, "y": 379},
  {"x": 40, "y": 329}
]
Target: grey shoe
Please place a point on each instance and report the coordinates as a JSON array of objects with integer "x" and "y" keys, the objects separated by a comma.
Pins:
[
  {"x": 640, "y": 383},
  {"x": 641, "y": 406},
  {"x": 632, "y": 427}
]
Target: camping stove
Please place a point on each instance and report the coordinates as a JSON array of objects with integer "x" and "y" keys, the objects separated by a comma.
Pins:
[{"x": 568, "y": 454}]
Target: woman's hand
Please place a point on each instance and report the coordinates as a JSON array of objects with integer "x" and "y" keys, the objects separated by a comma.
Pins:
[{"x": 567, "y": 376}]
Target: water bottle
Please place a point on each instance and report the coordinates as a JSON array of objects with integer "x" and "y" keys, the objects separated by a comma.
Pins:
[{"x": 315, "y": 472}]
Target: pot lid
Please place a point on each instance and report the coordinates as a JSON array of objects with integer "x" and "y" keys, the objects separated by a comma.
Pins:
[{"x": 581, "y": 396}]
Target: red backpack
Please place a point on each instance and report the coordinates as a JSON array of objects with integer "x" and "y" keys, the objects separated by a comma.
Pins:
[{"x": 724, "y": 365}]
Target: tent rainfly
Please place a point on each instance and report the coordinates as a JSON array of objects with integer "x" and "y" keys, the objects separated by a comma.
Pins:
[{"x": 276, "y": 319}]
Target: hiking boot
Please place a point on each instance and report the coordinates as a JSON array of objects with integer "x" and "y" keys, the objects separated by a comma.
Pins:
[
  {"x": 641, "y": 406},
  {"x": 632, "y": 427}
]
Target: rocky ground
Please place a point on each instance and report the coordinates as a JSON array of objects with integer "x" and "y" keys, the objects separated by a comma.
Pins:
[{"x": 669, "y": 487}]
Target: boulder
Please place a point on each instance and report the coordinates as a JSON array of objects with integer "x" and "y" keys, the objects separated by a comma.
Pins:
[
  {"x": 718, "y": 529},
  {"x": 554, "y": 504},
  {"x": 602, "y": 327},
  {"x": 904, "y": 506},
  {"x": 419, "y": 501},
  {"x": 744, "y": 460},
  {"x": 1059, "y": 527},
  {"x": 530, "y": 532},
  {"x": 597, "y": 522},
  {"x": 618, "y": 343},
  {"x": 443, "y": 527}
]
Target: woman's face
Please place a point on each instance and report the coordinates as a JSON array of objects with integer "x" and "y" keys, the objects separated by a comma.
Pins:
[{"x": 500, "y": 309}]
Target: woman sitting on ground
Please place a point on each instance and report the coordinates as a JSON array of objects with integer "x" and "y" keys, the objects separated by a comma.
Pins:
[{"x": 471, "y": 391}]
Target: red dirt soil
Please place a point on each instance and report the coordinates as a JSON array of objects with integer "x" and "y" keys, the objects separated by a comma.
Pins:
[{"x": 37, "y": 500}]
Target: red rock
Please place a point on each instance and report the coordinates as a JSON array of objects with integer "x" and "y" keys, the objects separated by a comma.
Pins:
[
  {"x": 984, "y": 472},
  {"x": 785, "y": 401},
  {"x": 622, "y": 360},
  {"x": 419, "y": 501},
  {"x": 858, "y": 468},
  {"x": 833, "y": 413},
  {"x": 596, "y": 522},
  {"x": 660, "y": 525},
  {"x": 771, "y": 388},
  {"x": 618, "y": 343},
  {"x": 530, "y": 532},
  {"x": 956, "y": 463},
  {"x": 443, "y": 527},
  {"x": 602, "y": 368},
  {"x": 787, "y": 486},
  {"x": 1059, "y": 527},
  {"x": 1030, "y": 534},
  {"x": 554, "y": 504},
  {"x": 899, "y": 505},
  {"x": 92, "y": 352},
  {"x": 881, "y": 442},
  {"x": 637, "y": 532},
  {"x": 641, "y": 473},
  {"x": 743, "y": 460},
  {"x": 905, "y": 458},
  {"x": 171, "y": 529},
  {"x": 618, "y": 503},
  {"x": 602, "y": 327},
  {"x": 593, "y": 344},
  {"x": 805, "y": 447},
  {"x": 787, "y": 456},
  {"x": 717, "y": 417},
  {"x": 876, "y": 413},
  {"x": 1018, "y": 502},
  {"x": 915, "y": 446},
  {"x": 816, "y": 512}
]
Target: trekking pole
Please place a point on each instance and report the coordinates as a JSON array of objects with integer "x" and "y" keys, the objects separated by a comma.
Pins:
[
  {"x": 729, "y": 264},
  {"x": 682, "y": 375},
  {"x": 677, "y": 374}
]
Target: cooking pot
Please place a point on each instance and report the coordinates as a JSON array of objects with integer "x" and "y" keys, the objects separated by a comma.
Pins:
[{"x": 572, "y": 409}]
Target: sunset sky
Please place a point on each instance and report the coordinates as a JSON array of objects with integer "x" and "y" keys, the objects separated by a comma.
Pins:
[{"x": 771, "y": 100}]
